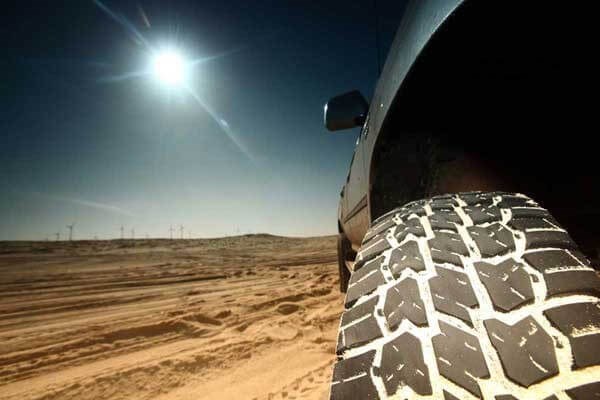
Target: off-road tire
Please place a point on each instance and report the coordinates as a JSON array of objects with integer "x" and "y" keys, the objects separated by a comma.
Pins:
[
  {"x": 344, "y": 251},
  {"x": 468, "y": 296}
]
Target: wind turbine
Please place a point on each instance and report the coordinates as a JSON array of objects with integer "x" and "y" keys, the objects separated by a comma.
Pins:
[
  {"x": 57, "y": 236},
  {"x": 70, "y": 228},
  {"x": 133, "y": 233},
  {"x": 122, "y": 233},
  {"x": 171, "y": 231},
  {"x": 181, "y": 231}
]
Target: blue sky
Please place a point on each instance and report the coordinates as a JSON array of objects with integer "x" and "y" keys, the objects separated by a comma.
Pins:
[{"x": 78, "y": 146}]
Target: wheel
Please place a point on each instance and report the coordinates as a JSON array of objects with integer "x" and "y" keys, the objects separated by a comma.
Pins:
[
  {"x": 469, "y": 296},
  {"x": 344, "y": 250}
]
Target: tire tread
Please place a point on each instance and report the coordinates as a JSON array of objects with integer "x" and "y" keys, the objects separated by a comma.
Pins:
[{"x": 473, "y": 295}]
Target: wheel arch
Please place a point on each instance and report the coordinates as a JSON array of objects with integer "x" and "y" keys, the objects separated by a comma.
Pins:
[
  {"x": 478, "y": 53},
  {"x": 420, "y": 23}
]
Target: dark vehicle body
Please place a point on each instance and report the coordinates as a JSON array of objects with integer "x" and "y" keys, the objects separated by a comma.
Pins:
[
  {"x": 469, "y": 223},
  {"x": 477, "y": 95}
]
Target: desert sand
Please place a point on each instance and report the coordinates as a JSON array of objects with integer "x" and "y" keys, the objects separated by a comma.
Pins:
[{"x": 248, "y": 317}]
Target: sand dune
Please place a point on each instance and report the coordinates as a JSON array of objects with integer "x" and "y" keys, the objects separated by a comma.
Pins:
[{"x": 251, "y": 317}]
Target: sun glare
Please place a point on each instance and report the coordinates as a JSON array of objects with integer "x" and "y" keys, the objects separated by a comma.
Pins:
[{"x": 169, "y": 67}]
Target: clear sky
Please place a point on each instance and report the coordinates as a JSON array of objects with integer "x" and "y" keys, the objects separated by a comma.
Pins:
[{"x": 84, "y": 139}]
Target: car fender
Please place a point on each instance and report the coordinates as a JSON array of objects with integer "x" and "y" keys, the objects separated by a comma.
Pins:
[{"x": 419, "y": 23}]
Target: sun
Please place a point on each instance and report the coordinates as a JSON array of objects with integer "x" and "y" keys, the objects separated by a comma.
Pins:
[{"x": 168, "y": 66}]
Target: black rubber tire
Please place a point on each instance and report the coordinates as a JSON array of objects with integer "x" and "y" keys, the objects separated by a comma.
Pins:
[
  {"x": 468, "y": 296},
  {"x": 344, "y": 251}
]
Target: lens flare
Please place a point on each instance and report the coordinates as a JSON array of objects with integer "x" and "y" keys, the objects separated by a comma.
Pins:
[
  {"x": 172, "y": 69},
  {"x": 168, "y": 67}
]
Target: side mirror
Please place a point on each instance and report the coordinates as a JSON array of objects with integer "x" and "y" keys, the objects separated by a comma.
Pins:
[{"x": 346, "y": 111}]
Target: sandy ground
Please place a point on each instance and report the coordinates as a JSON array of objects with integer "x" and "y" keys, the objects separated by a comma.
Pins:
[{"x": 251, "y": 317}]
